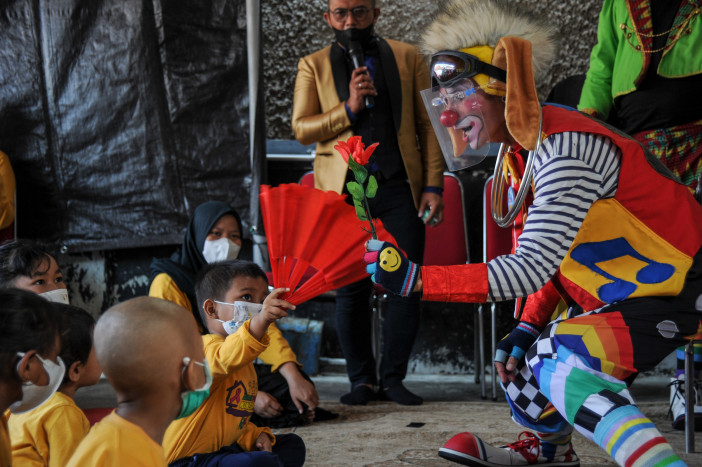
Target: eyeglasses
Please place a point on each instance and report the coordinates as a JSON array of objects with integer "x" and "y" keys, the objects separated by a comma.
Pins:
[
  {"x": 449, "y": 98},
  {"x": 359, "y": 13},
  {"x": 450, "y": 66}
]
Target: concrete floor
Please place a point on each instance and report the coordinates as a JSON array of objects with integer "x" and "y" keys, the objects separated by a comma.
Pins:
[
  {"x": 433, "y": 388},
  {"x": 452, "y": 404},
  {"x": 330, "y": 386}
]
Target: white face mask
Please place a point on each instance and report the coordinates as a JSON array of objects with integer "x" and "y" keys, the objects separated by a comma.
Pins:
[
  {"x": 56, "y": 295},
  {"x": 242, "y": 312},
  {"x": 33, "y": 395},
  {"x": 220, "y": 250}
]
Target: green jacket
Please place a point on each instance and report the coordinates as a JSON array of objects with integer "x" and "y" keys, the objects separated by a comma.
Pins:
[{"x": 616, "y": 67}]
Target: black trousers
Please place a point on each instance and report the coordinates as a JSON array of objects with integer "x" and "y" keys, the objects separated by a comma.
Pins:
[
  {"x": 277, "y": 386},
  {"x": 288, "y": 451},
  {"x": 394, "y": 206}
]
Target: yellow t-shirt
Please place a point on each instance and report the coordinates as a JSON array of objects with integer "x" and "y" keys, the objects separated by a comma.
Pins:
[
  {"x": 116, "y": 442},
  {"x": 223, "y": 419},
  {"x": 277, "y": 353},
  {"x": 5, "y": 447},
  {"x": 164, "y": 287},
  {"x": 49, "y": 434}
]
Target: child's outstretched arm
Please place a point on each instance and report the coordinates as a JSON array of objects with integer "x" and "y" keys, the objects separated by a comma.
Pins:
[{"x": 273, "y": 309}]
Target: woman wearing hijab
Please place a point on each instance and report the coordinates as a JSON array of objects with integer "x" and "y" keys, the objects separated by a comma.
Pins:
[{"x": 214, "y": 234}]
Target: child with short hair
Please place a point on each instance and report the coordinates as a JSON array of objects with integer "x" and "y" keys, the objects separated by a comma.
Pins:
[
  {"x": 30, "y": 369},
  {"x": 49, "y": 434},
  {"x": 286, "y": 395},
  {"x": 219, "y": 432},
  {"x": 151, "y": 353},
  {"x": 28, "y": 266}
]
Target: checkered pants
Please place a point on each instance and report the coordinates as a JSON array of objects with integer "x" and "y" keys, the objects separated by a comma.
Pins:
[{"x": 580, "y": 368}]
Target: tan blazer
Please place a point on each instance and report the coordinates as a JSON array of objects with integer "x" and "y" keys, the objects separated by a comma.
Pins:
[
  {"x": 320, "y": 116},
  {"x": 7, "y": 192}
]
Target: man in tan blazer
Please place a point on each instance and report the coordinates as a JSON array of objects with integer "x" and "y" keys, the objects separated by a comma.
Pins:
[{"x": 330, "y": 104}]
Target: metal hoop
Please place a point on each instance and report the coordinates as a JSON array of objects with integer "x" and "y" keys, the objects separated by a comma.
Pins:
[{"x": 498, "y": 184}]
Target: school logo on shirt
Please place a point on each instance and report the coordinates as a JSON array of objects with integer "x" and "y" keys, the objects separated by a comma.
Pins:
[{"x": 239, "y": 402}]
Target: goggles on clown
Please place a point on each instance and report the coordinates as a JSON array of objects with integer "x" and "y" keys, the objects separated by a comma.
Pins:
[{"x": 450, "y": 66}]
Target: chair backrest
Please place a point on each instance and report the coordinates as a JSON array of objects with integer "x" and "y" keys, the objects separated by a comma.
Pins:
[
  {"x": 97, "y": 414},
  {"x": 447, "y": 243},
  {"x": 307, "y": 179},
  {"x": 496, "y": 240}
]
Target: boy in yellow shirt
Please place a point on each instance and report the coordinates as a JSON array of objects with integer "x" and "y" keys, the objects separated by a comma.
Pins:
[
  {"x": 219, "y": 432},
  {"x": 49, "y": 434},
  {"x": 286, "y": 395},
  {"x": 151, "y": 352}
]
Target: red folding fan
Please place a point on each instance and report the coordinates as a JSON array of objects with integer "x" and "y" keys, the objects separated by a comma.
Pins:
[{"x": 315, "y": 240}]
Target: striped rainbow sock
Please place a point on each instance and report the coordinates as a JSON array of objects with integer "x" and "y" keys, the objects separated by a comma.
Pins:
[
  {"x": 554, "y": 444},
  {"x": 633, "y": 440}
]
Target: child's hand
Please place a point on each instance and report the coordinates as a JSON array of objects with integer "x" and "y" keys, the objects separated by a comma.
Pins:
[
  {"x": 273, "y": 309},
  {"x": 263, "y": 443},
  {"x": 267, "y": 406},
  {"x": 302, "y": 392}
]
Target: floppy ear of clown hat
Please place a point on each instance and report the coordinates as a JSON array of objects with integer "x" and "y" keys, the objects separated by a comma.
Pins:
[{"x": 512, "y": 39}]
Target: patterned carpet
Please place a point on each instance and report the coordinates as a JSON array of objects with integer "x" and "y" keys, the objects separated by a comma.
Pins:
[{"x": 380, "y": 433}]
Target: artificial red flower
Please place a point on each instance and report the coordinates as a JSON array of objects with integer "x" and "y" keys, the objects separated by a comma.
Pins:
[{"x": 354, "y": 147}]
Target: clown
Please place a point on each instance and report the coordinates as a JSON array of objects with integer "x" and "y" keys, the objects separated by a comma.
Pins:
[{"x": 608, "y": 230}]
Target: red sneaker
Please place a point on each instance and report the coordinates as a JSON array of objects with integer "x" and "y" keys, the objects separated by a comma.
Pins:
[{"x": 468, "y": 449}]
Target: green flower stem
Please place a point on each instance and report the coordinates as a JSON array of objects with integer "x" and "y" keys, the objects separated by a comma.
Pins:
[
  {"x": 360, "y": 173},
  {"x": 370, "y": 219}
]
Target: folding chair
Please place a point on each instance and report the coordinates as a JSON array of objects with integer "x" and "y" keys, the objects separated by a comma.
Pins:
[
  {"x": 307, "y": 179},
  {"x": 447, "y": 244},
  {"x": 96, "y": 414},
  {"x": 496, "y": 242}
]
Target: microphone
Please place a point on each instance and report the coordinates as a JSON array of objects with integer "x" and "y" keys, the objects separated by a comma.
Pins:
[{"x": 358, "y": 60}]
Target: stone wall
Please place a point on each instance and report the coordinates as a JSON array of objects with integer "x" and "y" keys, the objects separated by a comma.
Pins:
[{"x": 295, "y": 28}]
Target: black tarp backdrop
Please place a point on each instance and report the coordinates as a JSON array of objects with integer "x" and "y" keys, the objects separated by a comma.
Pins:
[{"x": 121, "y": 116}]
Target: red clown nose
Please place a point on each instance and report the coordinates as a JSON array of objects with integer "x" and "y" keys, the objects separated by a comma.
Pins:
[{"x": 448, "y": 118}]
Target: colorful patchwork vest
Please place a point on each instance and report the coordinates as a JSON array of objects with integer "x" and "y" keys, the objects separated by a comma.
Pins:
[{"x": 641, "y": 243}]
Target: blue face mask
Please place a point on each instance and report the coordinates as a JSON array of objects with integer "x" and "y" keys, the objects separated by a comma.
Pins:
[{"x": 194, "y": 399}]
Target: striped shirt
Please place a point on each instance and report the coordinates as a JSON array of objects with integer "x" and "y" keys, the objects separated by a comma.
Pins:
[{"x": 571, "y": 171}]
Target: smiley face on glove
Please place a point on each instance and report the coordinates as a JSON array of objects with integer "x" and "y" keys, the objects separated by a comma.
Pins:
[
  {"x": 390, "y": 259},
  {"x": 389, "y": 268}
]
